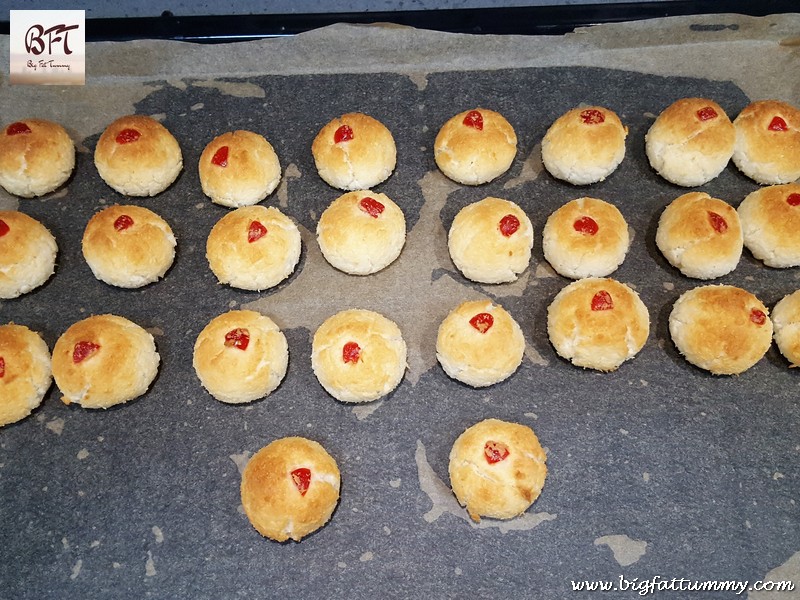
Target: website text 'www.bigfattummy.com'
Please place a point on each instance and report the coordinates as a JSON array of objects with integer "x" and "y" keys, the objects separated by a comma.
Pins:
[{"x": 656, "y": 584}]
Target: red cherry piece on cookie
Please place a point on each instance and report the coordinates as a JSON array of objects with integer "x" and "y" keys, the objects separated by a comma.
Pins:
[
  {"x": 17, "y": 128},
  {"x": 351, "y": 352},
  {"x": 586, "y": 226},
  {"x": 371, "y": 206},
  {"x": 4, "y": 228},
  {"x": 220, "y": 157},
  {"x": 792, "y": 200},
  {"x": 777, "y": 124},
  {"x": 592, "y": 116},
  {"x": 343, "y": 134},
  {"x": 602, "y": 301},
  {"x": 474, "y": 119},
  {"x": 255, "y": 232},
  {"x": 509, "y": 225},
  {"x": 302, "y": 479},
  {"x": 2, "y": 367},
  {"x": 706, "y": 113},
  {"x": 482, "y": 322},
  {"x": 758, "y": 317},
  {"x": 127, "y": 136},
  {"x": 495, "y": 451},
  {"x": 238, "y": 338},
  {"x": 84, "y": 350},
  {"x": 718, "y": 222},
  {"x": 123, "y": 222}
]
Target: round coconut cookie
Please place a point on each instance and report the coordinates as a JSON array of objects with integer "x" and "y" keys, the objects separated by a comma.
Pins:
[
  {"x": 361, "y": 232},
  {"x": 597, "y": 323},
  {"x": 690, "y": 142},
  {"x": 770, "y": 219},
  {"x": 137, "y": 156},
  {"x": 241, "y": 356},
  {"x": 700, "y": 235},
  {"x": 720, "y": 328},
  {"x": 253, "y": 248},
  {"x": 479, "y": 343},
  {"x": 24, "y": 372},
  {"x": 128, "y": 246},
  {"x": 27, "y": 254},
  {"x": 586, "y": 237},
  {"x": 497, "y": 469},
  {"x": 290, "y": 488},
  {"x": 36, "y": 157},
  {"x": 584, "y": 145},
  {"x": 786, "y": 322},
  {"x": 354, "y": 152},
  {"x": 767, "y": 147},
  {"x": 239, "y": 168},
  {"x": 358, "y": 355},
  {"x": 490, "y": 241},
  {"x": 475, "y": 146},
  {"x": 104, "y": 360}
]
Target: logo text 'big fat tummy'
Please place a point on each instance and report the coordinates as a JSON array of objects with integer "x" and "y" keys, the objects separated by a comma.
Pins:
[{"x": 48, "y": 47}]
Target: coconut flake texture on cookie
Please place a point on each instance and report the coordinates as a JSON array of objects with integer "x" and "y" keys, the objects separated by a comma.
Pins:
[
  {"x": 584, "y": 145},
  {"x": 358, "y": 355},
  {"x": 354, "y": 152},
  {"x": 700, "y": 235},
  {"x": 721, "y": 328},
  {"x": 597, "y": 323},
  {"x": 475, "y": 146},
  {"x": 25, "y": 374},
  {"x": 241, "y": 356},
  {"x": 691, "y": 142},
  {"x": 36, "y": 157},
  {"x": 497, "y": 469},
  {"x": 137, "y": 156},
  {"x": 27, "y": 254},
  {"x": 104, "y": 360},
  {"x": 239, "y": 168},
  {"x": 767, "y": 147},
  {"x": 290, "y": 488},
  {"x": 490, "y": 241},
  {"x": 479, "y": 343}
]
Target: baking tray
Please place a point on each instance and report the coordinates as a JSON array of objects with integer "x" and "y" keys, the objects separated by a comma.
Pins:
[{"x": 657, "y": 469}]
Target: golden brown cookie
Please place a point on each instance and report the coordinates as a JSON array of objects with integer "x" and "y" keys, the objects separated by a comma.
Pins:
[
  {"x": 27, "y": 254},
  {"x": 24, "y": 372},
  {"x": 767, "y": 146},
  {"x": 36, "y": 157}
]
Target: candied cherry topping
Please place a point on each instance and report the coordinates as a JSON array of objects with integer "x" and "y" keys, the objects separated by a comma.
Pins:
[
  {"x": 128, "y": 135},
  {"x": 18, "y": 127},
  {"x": 302, "y": 479},
  {"x": 495, "y": 451},
  {"x": 509, "y": 225},
  {"x": 777, "y": 124},
  {"x": 123, "y": 222},
  {"x": 602, "y": 301},
  {"x": 474, "y": 119},
  {"x": 351, "y": 352},
  {"x": 792, "y": 199},
  {"x": 706, "y": 113},
  {"x": 758, "y": 317},
  {"x": 482, "y": 322},
  {"x": 220, "y": 157},
  {"x": 718, "y": 222},
  {"x": 238, "y": 338},
  {"x": 84, "y": 350},
  {"x": 592, "y": 116},
  {"x": 371, "y": 206},
  {"x": 4, "y": 228},
  {"x": 2, "y": 367},
  {"x": 585, "y": 225},
  {"x": 255, "y": 232},
  {"x": 343, "y": 134}
]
